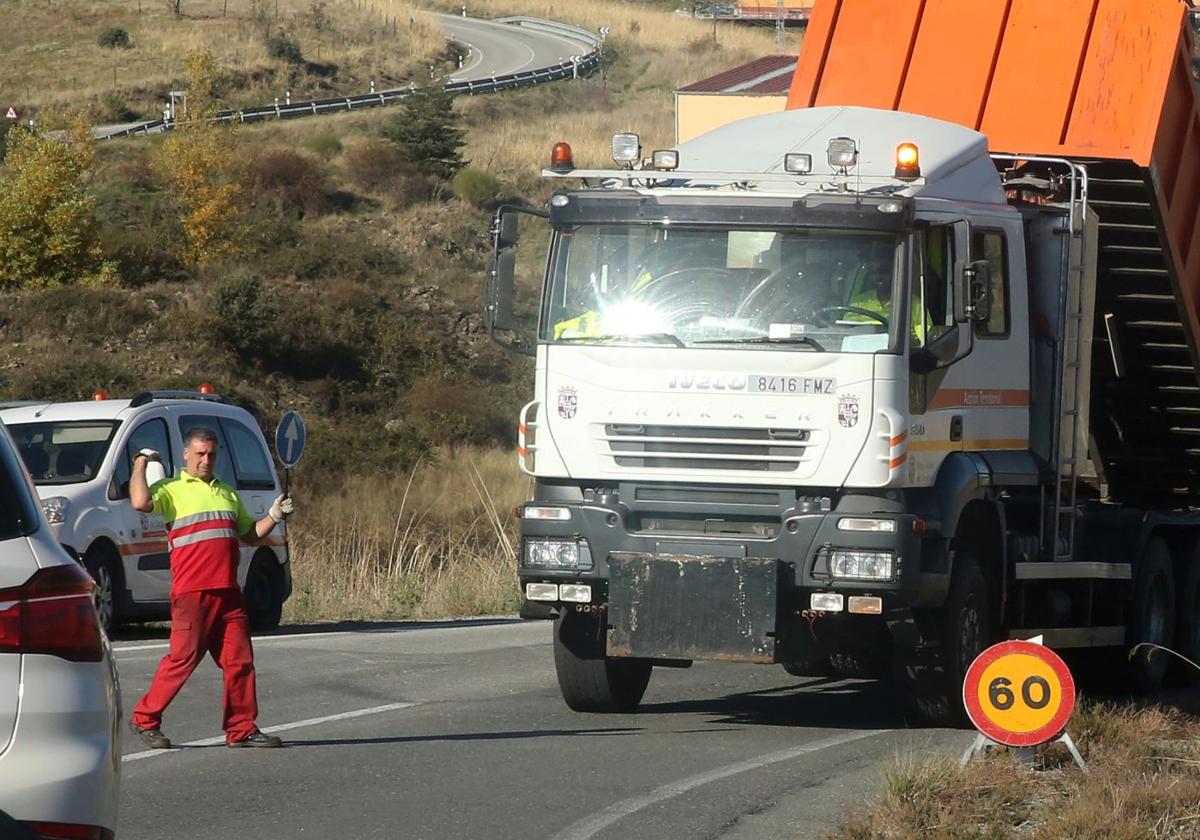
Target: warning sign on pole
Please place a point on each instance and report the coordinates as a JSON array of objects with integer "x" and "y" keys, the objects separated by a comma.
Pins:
[
  {"x": 1019, "y": 694},
  {"x": 12, "y": 113}
]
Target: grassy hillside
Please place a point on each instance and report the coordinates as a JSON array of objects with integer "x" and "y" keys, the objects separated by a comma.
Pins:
[{"x": 357, "y": 302}]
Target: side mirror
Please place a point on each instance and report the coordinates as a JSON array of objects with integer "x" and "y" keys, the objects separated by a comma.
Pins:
[
  {"x": 505, "y": 230},
  {"x": 922, "y": 361},
  {"x": 155, "y": 472},
  {"x": 979, "y": 286},
  {"x": 501, "y": 289}
]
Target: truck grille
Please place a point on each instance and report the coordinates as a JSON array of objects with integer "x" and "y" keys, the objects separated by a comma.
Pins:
[{"x": 705, "y": 448}]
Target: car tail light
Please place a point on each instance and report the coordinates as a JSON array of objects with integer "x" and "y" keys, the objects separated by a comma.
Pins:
[
  {"x": 68, "y": 831},
  {"x": 52, "y": 613}
]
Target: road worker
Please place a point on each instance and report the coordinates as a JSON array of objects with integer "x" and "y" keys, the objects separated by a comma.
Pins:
[{"x": 205, "y": 519}]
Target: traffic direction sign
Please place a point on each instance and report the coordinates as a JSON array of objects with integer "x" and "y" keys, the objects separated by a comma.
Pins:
[
  {"x": 290, "y": 436},
  {"x": 1019, "y": 694}
]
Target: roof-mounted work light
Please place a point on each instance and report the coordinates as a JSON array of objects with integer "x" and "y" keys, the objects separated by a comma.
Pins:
[
  {"x": 664, "y": 159},
  {"x": 908, "y": 162},
  {"x": 797, "y": 163},
  {"x": 842, "y": 152},
  {"x": 626, "y": 148}
]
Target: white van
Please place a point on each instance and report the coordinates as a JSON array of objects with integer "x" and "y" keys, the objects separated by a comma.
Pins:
[{"x": 79, "y": 455}]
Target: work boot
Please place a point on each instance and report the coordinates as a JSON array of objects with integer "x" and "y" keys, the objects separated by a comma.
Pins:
[
  {"x": 152, "y": 738},
  {"x": 258, "y": 739}
]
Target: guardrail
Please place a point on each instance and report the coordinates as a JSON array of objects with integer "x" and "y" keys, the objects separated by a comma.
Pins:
[{"x": 573, "y": 67}]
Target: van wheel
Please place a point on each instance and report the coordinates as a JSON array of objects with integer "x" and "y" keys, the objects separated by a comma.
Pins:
[
  {"x": 101, "y": 564},
  {"x": 263, "y": 594},
  {"x": 589, "y": 680},
  {"x": 1151, "y": 619}
]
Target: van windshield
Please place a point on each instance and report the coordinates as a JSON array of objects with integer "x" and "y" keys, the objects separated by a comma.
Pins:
[{"x": 63, "y": 452}]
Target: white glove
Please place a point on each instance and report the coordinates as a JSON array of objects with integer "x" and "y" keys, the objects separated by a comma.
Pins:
[
  {"x": 149, "y": 455},
  {"x": 281, "y": 509}
]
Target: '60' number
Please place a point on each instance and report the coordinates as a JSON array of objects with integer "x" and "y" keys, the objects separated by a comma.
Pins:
[{"x": 1001, "y": 695}]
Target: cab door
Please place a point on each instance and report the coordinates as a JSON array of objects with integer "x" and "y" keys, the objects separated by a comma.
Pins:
[{"x": 144, "y": 553}]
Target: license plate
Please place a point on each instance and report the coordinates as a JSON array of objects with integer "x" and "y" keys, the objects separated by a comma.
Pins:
[{"x": 764, "y": 384}]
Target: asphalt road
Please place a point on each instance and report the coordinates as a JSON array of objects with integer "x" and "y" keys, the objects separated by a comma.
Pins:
[
  {"x": 499, "y": 48},
  {"x": 458, "y": 731}
]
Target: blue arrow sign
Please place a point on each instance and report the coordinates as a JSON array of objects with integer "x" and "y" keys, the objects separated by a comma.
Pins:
[{"x": 289, "y": 439}]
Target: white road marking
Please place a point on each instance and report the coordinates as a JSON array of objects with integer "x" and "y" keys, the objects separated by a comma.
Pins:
[
  {"x": 592, "y": 825},
  {"x": 258, "y": 640},
  {"x": 283, "y": 727}
]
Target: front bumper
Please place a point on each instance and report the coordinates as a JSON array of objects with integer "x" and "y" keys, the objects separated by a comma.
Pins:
[{"x": 738, "y": 567}]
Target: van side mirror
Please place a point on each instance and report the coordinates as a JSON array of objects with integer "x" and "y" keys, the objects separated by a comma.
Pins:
[{"x": 501, "y": 289}]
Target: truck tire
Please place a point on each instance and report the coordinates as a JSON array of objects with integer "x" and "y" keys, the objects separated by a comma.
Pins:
[
  {"x": 103, "y": 565},
  {"x": 589, "y": 680},
  {"x": 1188, "y": 632},
  {"x": 816, "y": 666},
  {"x": 1151, "y": 619},
  {"x": 935, "y": 693},
  {"x": 263, "y": 593}
]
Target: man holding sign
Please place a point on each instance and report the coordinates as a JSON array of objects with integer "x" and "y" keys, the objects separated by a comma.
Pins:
[{"x": 205, "y": 520}]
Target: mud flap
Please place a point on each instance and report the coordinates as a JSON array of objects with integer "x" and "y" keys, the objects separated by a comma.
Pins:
[{"x": 692, "y": 607}]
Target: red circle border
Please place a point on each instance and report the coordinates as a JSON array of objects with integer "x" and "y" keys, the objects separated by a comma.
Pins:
[{"x": 993, "y": 731}]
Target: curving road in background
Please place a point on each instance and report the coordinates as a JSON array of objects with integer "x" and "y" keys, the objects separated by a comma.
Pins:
[{"x": 504, "y": 54}]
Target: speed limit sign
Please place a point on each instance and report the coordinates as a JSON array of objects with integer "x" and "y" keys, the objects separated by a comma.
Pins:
[{"x": 1019, "y": 694}]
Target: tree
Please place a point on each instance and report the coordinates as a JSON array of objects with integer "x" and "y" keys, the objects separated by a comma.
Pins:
[
  {"x": 427, "y": 131},
  {"x": 199, "y": 163},
  {"x": 48, "y": 233}
]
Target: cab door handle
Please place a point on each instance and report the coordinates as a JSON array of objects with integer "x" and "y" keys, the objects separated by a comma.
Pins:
[{"x": 956, "y": 427}]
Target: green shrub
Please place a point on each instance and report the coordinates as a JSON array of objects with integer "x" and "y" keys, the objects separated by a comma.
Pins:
[
  {"x": 114, "y": 37},
  {"x": 476, "y": 186},
  {"x": 285, "y": 48},
  {"x": 428, "y": 133},
  {"x": 243, "y": 317},
  {"x": 325, "y": 145},
  {"x": 116, "y": 109}
]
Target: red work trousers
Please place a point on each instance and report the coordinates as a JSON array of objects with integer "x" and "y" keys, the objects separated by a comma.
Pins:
[{"x": 212, "y": 621}]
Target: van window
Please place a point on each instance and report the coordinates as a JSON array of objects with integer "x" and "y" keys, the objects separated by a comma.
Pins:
[
  {"x": 63, "y": 452},
  {"x": 249, "y": 460},
  {"x": 18, "y": 516},
  {"x": 224, "y": 470},
  {"x": 150, "y": 435}
]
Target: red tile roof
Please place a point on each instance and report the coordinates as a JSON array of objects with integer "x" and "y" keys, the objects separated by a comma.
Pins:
[{"x": 770, "y": 74}]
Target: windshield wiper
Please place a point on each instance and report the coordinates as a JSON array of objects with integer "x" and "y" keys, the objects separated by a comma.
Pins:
[
  {"x": 766, "y": 339},
  {"x": 668, "y": 337}
]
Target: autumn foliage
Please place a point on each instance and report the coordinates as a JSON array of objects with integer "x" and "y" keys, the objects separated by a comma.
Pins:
[
  {"x": 199, "y": 163},
  {"x": 48, "y": 232}
]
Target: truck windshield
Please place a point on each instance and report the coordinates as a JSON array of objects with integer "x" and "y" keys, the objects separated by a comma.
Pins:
[
  {"x": 63, "y": 452},
  {"x": 807, "y": 290}
]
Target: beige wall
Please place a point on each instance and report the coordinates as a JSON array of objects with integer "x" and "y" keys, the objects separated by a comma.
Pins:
[{"x": 696, "y": 113}]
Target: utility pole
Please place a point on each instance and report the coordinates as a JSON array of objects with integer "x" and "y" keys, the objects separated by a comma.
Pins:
[{"x": 780, "y": 29}]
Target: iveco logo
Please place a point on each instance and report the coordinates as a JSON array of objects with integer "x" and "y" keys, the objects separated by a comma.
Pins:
[{"x": 692, "y": 381}]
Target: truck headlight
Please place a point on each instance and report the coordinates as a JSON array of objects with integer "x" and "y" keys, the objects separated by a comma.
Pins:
[
  {"x": 862, "y": 565},
  {"x": 557, "y": 554},
  {"x": 55, "y": 509}
]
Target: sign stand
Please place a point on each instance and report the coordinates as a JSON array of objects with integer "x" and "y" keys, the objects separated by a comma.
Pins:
[{"x": 1025, "y": 755}]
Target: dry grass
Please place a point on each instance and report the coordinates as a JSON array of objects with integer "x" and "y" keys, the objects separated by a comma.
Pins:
[
  {"x": 53, "y": 61},
  {"x": 1144, "y": 784},
  {"x": 437, "y": 542}
]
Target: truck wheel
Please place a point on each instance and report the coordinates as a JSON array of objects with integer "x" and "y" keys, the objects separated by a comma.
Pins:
[
  {"x": 936, "y": 694},
  {"x": 1189, "y": 623},
  {"x": 1151, "y": 618},
  {"x": 589, "y": 680},
  {"x": 263, "y": 594},
  {"x": 102, "y": 565}
]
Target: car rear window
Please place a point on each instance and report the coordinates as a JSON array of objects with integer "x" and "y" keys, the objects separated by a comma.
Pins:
[{"x": 18, "y": 513}]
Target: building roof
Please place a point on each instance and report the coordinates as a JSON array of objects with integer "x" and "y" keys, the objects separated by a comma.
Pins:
[{"x": 766, "y": 75}]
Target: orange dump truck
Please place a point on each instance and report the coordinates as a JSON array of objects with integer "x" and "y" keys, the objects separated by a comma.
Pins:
[{"x": 868, "y": 384}]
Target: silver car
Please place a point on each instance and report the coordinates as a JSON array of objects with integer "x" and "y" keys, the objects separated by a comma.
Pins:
[{"x": 60, "y": 751}]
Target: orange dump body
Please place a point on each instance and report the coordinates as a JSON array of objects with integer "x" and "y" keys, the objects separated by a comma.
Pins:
[{"x": 1107, "y": 82}]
